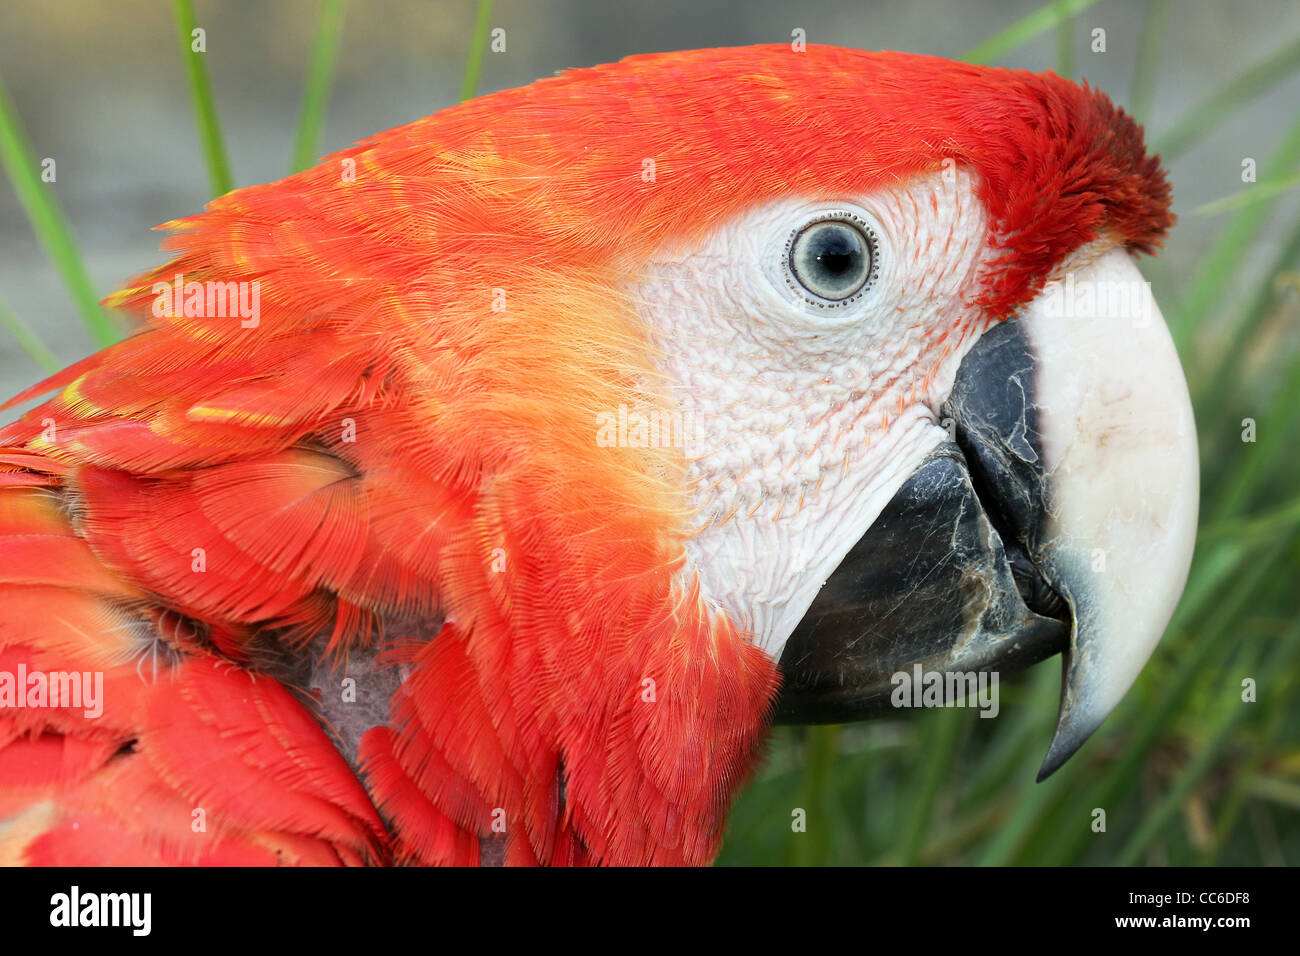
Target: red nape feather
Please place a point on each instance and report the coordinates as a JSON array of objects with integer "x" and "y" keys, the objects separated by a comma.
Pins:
[{"x": 383, "y": 448}]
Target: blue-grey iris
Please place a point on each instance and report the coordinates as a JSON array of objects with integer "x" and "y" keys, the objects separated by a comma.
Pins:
[{"x": 831, "y": 259}]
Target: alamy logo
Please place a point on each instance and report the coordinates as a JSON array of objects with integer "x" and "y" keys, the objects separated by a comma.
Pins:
[
  {"x": 75, "y": 908},
  {"x": 1098, "y": 298},
  {"x": 210, "y": 299},
  {"x": 645, "y": 427},
  {"x": 68, "y": 689},
  {"x": 922, "y": 688}
]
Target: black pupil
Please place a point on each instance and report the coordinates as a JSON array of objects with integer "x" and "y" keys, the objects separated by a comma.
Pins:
[{"x": 837, "y": 251}]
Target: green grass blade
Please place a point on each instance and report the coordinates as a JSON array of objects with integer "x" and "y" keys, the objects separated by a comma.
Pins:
[
  {"x": 812, "y": 847},
  {"x": 939, "y": 750},
  {"x": 1218, "y": 271},
  {"x": 1231, "y": 711},
  {"x": 1222, "y": 723},
  {"x": 29, "y": 340},
  {"x": 951, "y": 841},
  {"x": 1274, "y": 521},
  {"x": 1022, "y": 31},
  {"x": 1220, "y": 400},
  {"x": 1200, "y": 119},
  {"x": 1263, "y": 745},
  {"x": 329, "y": 32},
  {"x": 1029, "y": 801},
  {"x": 205, "y": 107},
  {"x": 1065, "y": 43},
  {"x": 1274, "y": 441},
  {"x": 1147, "y": 66},
  {"x": 1018, "y": 743},
  {"x": 1279, "y": 791},
  {"x": 1258, "y": 192},
  {"x": 47, "y": 221},
  {"x": 474, "y": 65}
]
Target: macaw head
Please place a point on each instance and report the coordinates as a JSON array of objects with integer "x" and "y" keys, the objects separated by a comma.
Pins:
[
  {"x": 648, "y": 380},
  {"x": 929, "y": 411}
]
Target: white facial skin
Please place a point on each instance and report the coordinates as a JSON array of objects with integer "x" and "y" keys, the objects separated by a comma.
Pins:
[{"x": 808, "y": 419}]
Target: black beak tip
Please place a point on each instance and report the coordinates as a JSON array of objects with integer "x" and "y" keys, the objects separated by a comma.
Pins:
[
  {"x": 1051, "y": 764},
  {"x": 1069, "y": 737}
]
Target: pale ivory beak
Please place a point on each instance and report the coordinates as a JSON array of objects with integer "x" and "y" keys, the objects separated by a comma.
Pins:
[{"x": 1122, "y": 481}]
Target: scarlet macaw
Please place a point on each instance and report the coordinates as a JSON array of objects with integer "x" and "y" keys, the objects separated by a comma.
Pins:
[{"x": 577, "y": 431}]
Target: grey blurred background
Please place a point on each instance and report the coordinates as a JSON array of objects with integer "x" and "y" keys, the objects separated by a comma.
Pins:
[{"x": 100, "y": 87}]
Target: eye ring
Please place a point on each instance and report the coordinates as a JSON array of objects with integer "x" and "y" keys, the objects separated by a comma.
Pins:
[{"x": 832, "y": 261}]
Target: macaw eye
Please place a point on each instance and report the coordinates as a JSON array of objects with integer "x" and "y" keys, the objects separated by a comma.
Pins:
[{"x": 833, "y": 259}]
